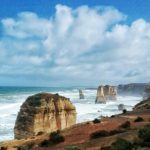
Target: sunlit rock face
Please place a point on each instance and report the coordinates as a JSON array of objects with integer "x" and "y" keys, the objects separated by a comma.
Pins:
[
  {"x": 44, "y": 112},
  {"x": 105, "y": 93}
]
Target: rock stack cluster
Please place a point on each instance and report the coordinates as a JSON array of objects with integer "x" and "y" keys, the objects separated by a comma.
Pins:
[
  {"x": 44, "y": 112},
  {"x": 105, "y": 93}
]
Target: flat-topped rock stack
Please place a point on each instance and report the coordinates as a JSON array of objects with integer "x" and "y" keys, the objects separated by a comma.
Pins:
[
  {"x": 44, "y": 112},
  {"x": 81, "y": 95},
  {"x": 105, "y": 93}
]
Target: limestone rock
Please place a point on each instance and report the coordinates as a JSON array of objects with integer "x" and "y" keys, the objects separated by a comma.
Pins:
[
  {"x": 44, "y": 112},
  {"x": 81, "y": 95},
  {"x": 105, "y": 93},
  {"x": 133, "y": 89},
  {"x": 146, "y": 93}
]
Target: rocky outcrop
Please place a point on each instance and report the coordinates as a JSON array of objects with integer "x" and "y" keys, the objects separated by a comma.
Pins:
[
  {"x": 133, "y": 89},
  {"x": 44, "y": 112},
  {"x": 146, "y": 93},
  {"x": 81, "y": 95},
  {"x": 105, "y": 93},
  {"x": 143, "y": 105}
]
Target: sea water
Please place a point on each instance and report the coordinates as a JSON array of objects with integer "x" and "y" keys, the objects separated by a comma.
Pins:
[{"x": 11, "y": 98}]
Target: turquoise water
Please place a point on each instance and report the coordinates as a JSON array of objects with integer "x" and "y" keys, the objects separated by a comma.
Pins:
[{"x": 11, "y": 99}]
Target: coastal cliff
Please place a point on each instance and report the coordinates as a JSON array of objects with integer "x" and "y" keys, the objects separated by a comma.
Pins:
[
  {"x": 133, "y": 89},
  {"x": 44, "y": 112},
  {"x": 105, "y": 93},
  {"x": 143, "y": 105},
  {"x": 146, "y": 93}
]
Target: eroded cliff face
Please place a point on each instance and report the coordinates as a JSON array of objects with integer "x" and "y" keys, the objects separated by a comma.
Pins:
[
  {"x": 133, "y": 89},
  {"x": 44, "y": 112},
  {"x": 105, "y": 93},
  {"x": 146, "y": 93}
]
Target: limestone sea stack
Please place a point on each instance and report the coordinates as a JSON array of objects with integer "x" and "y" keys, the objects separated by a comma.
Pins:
[
  {"x": 105, "y": 93},
  {"x": 44, "y": 112},
  {"x": 81, "y": 95}
]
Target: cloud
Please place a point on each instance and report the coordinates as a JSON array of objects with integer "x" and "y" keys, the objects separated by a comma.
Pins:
[{"x": 82, "y": 46}]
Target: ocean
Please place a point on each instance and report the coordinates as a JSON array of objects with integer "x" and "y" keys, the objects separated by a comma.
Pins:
[{"x": 11, "y": 99}]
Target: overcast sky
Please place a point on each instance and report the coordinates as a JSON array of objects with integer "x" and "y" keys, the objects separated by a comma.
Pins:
[{"x": 69, "y": 43}]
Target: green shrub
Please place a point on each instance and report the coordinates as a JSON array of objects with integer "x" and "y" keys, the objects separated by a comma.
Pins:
[
  {"x": 56, "y": 137},
  {"x": 144, "y": 134},
  {"x": 124, "y": 111},
  {"x": 139, "y": 119},
  {"x": 105, "y": 148},
  {"x": 45, "y": 143},
  {"x": 113, "y": 132},
  {"x": 72, "y": 148},
  {"x": 3, "y": 148},
  {"x": 125, "y": 125},
  {"x": 112, "y": 116},
  {"x": 99, "y": 134},
  {"x": 121, "y": 144},
  {"x": 96, "y": 121}
]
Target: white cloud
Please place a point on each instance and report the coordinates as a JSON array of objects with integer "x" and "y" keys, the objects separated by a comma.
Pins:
[{"x": 76, "y": 46}]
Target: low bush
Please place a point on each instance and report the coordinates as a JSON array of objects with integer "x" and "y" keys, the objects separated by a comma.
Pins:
[
  {"x": 112, "y": 116},
  {"x": 72, "y": 148},
  {"x": 113, "y": 132},
  {"x": 139, "y": 119},
  {"x": 125, "y": 125},
  {"x": 103, "y": 133},
  {"x": 56, "y": 137},
  {"x": 96, "y": 121},
  {"x": 124, "y": 111},
  {"x": 105, "y": 148},
  {"x": 45, "y": 143},
  {"x": 144, "y": 134},
  {"x": 3, "y": 148},
  {"x": 99, "y": 134},
  {"x": 121, "y": 144}
]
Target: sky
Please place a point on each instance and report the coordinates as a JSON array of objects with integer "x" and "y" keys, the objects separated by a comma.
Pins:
[{"x": 74, "y": 43}]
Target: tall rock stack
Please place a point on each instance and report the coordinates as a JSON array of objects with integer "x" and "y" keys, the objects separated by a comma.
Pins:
[
  {"x": 105, "y": 93},
  {"x": 44, "y": 112},
  {"x": 100, "y": 98},
  {"x": 81, "y": 95}
]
